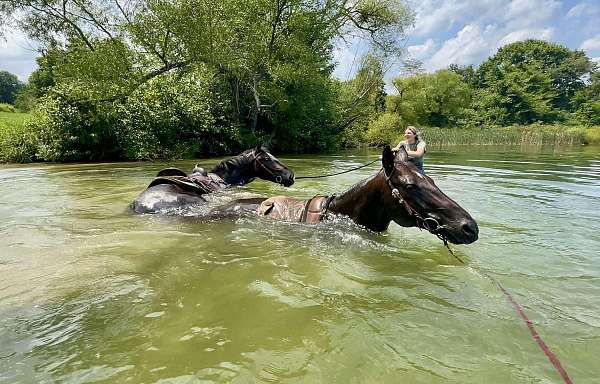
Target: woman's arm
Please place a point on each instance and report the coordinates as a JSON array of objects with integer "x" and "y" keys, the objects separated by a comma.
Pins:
[{"x": 418, "y": 153}]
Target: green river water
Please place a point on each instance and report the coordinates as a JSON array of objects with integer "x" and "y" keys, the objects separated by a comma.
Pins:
[{"x": 92, "y": 293}]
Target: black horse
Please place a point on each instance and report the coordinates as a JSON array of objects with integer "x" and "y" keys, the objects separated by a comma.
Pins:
[
  {"x": 398, "y": 192},
  {"x": 173, "y": 188}
]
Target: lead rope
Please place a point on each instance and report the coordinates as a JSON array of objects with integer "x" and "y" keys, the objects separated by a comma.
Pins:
[
  {"x": 521, "y": 312},
  {"x": 337, "y": 173}
]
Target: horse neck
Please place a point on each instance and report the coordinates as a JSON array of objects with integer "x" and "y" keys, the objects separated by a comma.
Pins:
[
  {"x": 366, "y": 203},
  {"x": 235, "y": 170}
]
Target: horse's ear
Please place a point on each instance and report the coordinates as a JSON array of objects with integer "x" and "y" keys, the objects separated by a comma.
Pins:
[
  {"x": 401, "y": 154},
  {"x": 387, "y": 159},
  {"x": 257, "y": 149}
]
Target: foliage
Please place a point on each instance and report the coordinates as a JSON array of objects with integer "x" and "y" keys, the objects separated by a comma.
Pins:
[
  {"x": 40, "y": 81},
  {"x": 531, "y": 81},
  {"x": 272, "y": 59},
  {"x": 10, "y": 85},
  {"x": 386, "y": 129},
  {"x": 437, "y": 99},
  {"x": 361, "y": 100},
  {"x": 177, "y": 115}
]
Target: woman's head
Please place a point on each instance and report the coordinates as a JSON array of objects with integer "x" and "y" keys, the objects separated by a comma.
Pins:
[{"x": 411, "y": 134}]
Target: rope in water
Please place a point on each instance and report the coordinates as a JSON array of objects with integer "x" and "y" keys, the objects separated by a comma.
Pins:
[
  {"x": 338, "y": 173},
  {"x": 521, "y": 312}
]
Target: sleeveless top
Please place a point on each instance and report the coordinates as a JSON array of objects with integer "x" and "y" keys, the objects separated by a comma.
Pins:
[{"x": 418, "y": 161}]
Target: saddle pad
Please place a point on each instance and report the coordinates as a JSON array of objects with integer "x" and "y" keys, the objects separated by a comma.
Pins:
[{"x": 291, "y": 209}]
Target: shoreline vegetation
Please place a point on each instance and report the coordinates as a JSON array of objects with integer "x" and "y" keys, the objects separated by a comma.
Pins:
[
  {"x": 13, "y": 147},
  {"x": 195, "y": 78}
]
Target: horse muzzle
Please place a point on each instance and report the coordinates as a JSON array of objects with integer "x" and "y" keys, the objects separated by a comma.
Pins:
[
  {"x": 286, "y": 180},
  {"x": 464, "y": 232}
]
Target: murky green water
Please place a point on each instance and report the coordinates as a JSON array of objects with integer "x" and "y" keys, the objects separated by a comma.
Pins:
[{"x": 91, "y": 293}]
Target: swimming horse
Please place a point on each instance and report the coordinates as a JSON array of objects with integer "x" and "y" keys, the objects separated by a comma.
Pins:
[
  {"x": 173, "y": 188},
  {"x": 398, "y": 192}
]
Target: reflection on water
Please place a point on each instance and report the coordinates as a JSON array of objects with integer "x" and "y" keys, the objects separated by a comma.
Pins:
[{"x": 89, "y": 292}]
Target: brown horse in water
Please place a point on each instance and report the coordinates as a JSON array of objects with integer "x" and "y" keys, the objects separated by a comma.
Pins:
[
  {"x": 173, "y": 188},
  {"x": 398, "y": 192}
]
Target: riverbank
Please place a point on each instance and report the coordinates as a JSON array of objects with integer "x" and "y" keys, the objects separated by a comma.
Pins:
[{"x": 20, "y": 145}]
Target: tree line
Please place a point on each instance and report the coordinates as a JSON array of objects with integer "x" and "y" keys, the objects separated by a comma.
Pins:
[
  {"x": 526, "y": 82},
  {"x": 149, "y": 79},
  {"x": 154, "y": 79}
]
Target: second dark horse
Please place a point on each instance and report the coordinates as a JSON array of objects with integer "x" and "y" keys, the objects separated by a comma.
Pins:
[{"x": 173, "y": 188}]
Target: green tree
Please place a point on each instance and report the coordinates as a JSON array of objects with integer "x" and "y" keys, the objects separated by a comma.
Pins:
[
  {"x": 265, "y": 50},
  {"x": 533, "y": 80},
  {"x": 361, "y": 100},
  {"x": 10, "y": 85},
  {"x": 467, "y": 73},
  {"x": 586, "y": 102},
  {"x": 436, "y": 99}
]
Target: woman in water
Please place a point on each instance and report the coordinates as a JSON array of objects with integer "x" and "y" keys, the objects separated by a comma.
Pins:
[{"x": 415, "y": 147}]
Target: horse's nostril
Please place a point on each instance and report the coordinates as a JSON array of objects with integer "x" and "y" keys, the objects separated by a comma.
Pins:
[{"x": 470, "y": 227}]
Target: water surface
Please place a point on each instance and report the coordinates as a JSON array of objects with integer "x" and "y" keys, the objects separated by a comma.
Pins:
[{"x": 92, "y": 293}]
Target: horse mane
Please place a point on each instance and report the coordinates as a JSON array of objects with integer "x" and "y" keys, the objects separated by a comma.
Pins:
[{"x": 232, "y": 162}]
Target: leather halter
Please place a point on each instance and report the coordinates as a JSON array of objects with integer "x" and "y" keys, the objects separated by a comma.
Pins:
[
  {"x": 427, "y": 223},
  {"x": 278, "y": 179}
]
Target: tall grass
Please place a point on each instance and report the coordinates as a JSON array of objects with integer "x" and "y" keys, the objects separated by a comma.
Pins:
[
  {"x": 515, "y": 135},
  {"x": 17, "y": 143}
]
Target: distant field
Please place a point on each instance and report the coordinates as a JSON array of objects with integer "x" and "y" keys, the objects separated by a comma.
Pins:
[{"x": 13, "y": 119}]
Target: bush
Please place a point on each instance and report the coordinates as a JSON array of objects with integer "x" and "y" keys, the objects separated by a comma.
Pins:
[
  {"x": 71, "y": 131},
  {"x": 386, "y": 129},
  {"x": 177, "y": 116}
]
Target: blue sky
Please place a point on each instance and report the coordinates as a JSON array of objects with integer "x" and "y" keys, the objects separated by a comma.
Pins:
[
  {"x": 469, "y": 31},
  {"x": 445, "y": 32}
]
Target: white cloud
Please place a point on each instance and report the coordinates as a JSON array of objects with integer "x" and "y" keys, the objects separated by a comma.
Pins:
[
  {"x": 524, "y": 34},
  {"x": 582, "y": 9},
  {"x": 17, "y": 55},
  {"x": 423, "y": 50},
  {"x": 596, "y": 60},
  {"x": 434, "y": 16},
  {"x": 470, "y": 45},
  {"x": 528, "y": 13},
  {"x": 592, "y": 44},
  {"x": 489, "y": 24}
]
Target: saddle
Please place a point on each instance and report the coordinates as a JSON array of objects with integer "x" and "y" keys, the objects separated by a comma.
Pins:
[
  {"x": 198, "y": 182},
  {"x": 286, "y": 208}
]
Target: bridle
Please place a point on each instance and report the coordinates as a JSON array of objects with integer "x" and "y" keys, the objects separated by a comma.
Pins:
[
  {"x": 428, "y": 223},
  {"x": 278, "y": 178}
]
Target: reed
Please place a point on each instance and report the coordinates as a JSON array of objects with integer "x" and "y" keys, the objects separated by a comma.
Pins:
[
  {"x": 514, "y": 135},
  {"x": 17, "y": 143}
]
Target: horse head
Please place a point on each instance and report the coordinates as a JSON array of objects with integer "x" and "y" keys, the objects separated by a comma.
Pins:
[
  {"x": 268, "y": 167},
  {"x": 415, "y": 200}
]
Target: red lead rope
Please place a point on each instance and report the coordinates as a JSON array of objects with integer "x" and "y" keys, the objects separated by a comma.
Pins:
[
  {"x": 551, "y": 356},
  {"x": 534, "y": 333}
]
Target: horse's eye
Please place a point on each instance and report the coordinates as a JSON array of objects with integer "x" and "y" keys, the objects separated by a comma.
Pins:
[{"x": 410, "y": 187}]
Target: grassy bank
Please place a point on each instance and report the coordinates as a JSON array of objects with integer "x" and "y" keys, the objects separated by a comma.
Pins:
[
  {"x": 514, "y": 135},
  {"x": 15, "y": 142}
]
